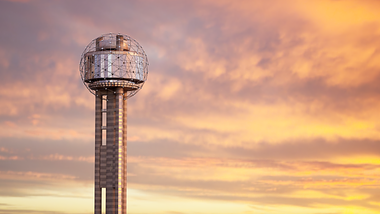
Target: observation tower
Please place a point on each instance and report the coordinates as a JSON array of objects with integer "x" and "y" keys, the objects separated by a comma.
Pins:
[{"x": 113, "y": 67}]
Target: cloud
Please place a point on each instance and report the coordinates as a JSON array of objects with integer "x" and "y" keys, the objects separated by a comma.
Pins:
[
  {"x": 6, "y": 211},
  {"x": 274, "y": 102}
]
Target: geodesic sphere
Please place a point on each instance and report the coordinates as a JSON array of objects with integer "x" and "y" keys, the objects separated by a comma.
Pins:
[{"x": 114, "y": 60}]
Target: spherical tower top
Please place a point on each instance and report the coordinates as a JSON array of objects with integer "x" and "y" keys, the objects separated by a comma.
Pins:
[{"x": 114, "y": 60}]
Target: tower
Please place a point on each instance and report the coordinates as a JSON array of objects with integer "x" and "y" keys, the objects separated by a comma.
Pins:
[{"x": 113, "y": 67}]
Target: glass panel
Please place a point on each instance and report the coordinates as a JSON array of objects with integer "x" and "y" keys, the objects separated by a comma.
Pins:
[
  {"x": 102, "y": 68},
  {"x": 104, "y": 137},
  {"x": 110, "y": 62},
  {"x": 104, "y": 119},
  {"x": 104, "y": 102},
  {"x": 104, "y": 200}
]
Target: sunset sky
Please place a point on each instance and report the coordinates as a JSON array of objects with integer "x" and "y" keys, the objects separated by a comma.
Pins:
[{"x": 251, "y": 106}]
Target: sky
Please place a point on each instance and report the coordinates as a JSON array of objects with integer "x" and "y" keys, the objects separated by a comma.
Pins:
[{"x": 250, "y": 107}]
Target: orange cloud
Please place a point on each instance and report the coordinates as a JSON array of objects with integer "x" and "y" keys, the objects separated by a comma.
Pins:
[{"x": 267, "y": 103}]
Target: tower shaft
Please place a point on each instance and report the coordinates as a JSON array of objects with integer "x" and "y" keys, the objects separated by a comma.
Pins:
[{"x": 110, "y": 151}]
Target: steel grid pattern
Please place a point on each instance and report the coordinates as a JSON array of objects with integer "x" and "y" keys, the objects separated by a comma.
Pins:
[{"x": 113, "y": 60}]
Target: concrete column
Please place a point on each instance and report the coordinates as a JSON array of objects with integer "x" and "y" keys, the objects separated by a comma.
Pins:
[{"x": 110, "y": 159}]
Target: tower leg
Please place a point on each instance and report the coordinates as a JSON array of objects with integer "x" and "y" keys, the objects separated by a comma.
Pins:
[{"x": 110, "y": 152}]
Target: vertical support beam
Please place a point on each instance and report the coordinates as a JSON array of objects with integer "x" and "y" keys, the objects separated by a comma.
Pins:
[
  {"x": 124, "y": 178},
  {"x": 98, "y": 142},
  {"x": 109, "y": 151}
]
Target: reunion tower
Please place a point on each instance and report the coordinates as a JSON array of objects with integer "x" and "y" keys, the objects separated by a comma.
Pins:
[{"x": 113, "y": 67}]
